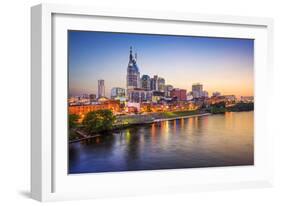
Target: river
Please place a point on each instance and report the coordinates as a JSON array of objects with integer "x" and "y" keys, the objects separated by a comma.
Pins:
[{"x": 207, "y": 141}]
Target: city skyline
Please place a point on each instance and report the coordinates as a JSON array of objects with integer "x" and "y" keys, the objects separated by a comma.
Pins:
[{"x": 224, "y": 65}]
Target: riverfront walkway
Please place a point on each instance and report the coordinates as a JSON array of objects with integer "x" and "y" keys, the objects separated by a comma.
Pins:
[
  {"x": 155, "y": 117},
  {"x": 181, "y": 117}
]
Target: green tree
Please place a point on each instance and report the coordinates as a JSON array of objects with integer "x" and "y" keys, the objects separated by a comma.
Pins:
[
  {"x": 73, "y": 121},
  {"x": 218, "y": 108},
  {"x": 98, "y": 121},
  {"x": 72, "y": 124}
]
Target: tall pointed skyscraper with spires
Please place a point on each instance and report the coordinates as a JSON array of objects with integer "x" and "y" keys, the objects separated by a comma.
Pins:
[{"x": 133, "y": 74}]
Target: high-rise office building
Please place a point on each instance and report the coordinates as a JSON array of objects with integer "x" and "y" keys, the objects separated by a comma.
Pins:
[
  {"x": 145, "y": 82},
  {"x": 168, "y": 89},
  {"x": 197, "y": 90},
  {"x": 101, "y": 88},
  {"x": 161, "y": 84},
  {"x": 133, "y": 74},
  {"x": 154, "y": 83}
]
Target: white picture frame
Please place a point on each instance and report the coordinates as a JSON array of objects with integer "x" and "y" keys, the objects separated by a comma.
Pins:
[{"x": 49, "y": 180}]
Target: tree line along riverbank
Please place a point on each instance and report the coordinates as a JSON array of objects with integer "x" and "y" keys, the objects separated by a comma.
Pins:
[{"x": 220, "y": 108}]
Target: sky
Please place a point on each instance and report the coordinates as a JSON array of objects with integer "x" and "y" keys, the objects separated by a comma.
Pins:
[{"x": 225, "y": 65}]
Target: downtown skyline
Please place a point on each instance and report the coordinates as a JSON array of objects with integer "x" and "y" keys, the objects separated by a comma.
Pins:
[{"x": 224, "y": 65}]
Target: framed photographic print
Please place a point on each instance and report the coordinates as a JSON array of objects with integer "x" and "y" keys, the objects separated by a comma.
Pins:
[{"x": 135, "y": 102}]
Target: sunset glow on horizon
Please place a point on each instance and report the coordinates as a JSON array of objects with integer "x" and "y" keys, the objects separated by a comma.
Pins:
[{"x": 224, "y": 65}]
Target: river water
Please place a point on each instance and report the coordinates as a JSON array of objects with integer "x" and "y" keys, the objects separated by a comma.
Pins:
[{"x": 206, "y": 141}]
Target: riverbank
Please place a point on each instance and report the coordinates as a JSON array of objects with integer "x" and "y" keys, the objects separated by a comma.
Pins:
[
  {"x": 127, "y": 121},
  {"x": 182, "y": 117},
  {"x": 152, "y": 117},
  {"x": 171, "y": 118},
  {"x": 138, "y": 119}
]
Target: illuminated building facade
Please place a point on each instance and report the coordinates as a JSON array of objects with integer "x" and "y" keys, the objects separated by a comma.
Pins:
[
  {"x": 179, "y": 94},
  {"x": 157, "y": 96},
  {"x": 82, "y": 110},
  {"x": 117, "y": 92},
  {"x": 139, "y": 95},
  {"x": 247, "y": 99}
]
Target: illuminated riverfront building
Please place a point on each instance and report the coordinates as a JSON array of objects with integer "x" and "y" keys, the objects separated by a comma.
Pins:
[
  {"x": 139, "y": 95},
  {"x": 73, "y": 100},
  {"x": 222, "y": 98},
  {"x": 230, "y": 98},
  {"x": 101, "y": 88},
  {"x": 247, "y": 99},
  {"x": 179, "y": 94},
  {"x": 157, "y": 96},
  {"x": 104, "y": 103}
]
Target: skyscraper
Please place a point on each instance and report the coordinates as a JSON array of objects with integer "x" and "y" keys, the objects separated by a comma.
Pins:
[
  {"x": 197, "y": 90},
  {"x": 133, "y": 74},
  {"x": 101, "y": 88},
  {"x": 145, "y": 82},
  {"x": 161, "y": 84},
  {"x": 168, "y": 89},
  {"x": 154, "y": 83}
]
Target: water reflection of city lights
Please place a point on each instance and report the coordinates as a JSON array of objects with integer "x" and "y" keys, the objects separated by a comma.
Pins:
[
  {"x": 153, "y": 130},
  {"x": 165, "y": 127},
  {"x": 175, "y": 125},
  {"x": 191, "y": 121},
  {"x": 196, "y": 122},
  {"x": 128, "y": 136},
  {"x": 182, "y": 122}
]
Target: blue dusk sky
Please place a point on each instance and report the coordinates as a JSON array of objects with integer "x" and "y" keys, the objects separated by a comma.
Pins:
[{"x": 220, "y": 64}]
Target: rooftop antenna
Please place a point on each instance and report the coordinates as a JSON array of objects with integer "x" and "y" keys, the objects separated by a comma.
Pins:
[{"x": 131, "y": 55}]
